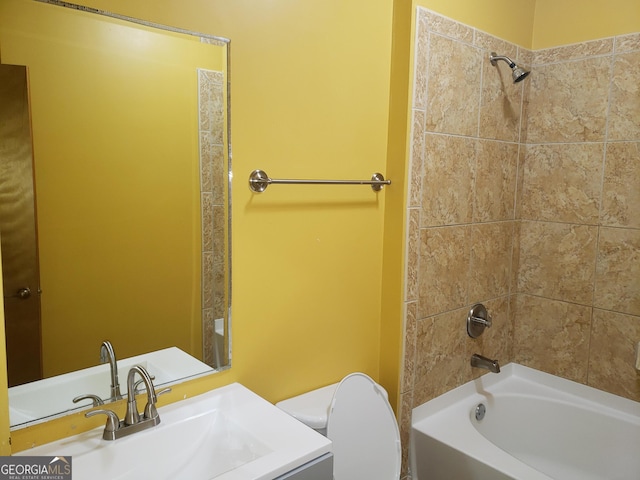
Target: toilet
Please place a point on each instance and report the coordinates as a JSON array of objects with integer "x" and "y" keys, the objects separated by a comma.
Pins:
[{"x": 356, "y": 416}]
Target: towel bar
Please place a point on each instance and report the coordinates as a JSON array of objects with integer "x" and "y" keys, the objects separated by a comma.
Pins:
[{"x": 259, "y": 181}]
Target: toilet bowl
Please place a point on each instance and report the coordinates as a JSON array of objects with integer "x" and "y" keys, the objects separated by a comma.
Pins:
[{"x": 356, "y": 416}]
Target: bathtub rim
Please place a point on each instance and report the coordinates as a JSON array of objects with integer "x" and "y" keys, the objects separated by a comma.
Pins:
[
  {"x": 530, "y": 382},
  {"x": 583, "y": 395}
]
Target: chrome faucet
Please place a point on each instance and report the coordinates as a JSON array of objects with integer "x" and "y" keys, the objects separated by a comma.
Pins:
[
  {"x": 479, "y": 361},
  {"x": 132, "y": 416},
  {"x": 107, "y": 354},
  {"x": 133, "y": 421}
]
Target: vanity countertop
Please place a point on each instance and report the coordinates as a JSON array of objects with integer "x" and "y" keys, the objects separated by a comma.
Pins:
[{"x": 229, "y": 433}]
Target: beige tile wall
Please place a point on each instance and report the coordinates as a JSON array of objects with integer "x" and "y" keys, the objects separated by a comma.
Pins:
[
  {"x": 577, "y": 307},
  {"x": 212, "y": 188},
  {"x": 461, "y": 216},
  {"x": 525, "y": 197}
]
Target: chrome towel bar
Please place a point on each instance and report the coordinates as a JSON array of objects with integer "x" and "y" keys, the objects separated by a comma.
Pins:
[{"x": 259, "y": 181}]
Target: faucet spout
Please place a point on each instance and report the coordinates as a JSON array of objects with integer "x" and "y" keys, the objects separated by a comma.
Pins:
[
  {"x": 132, "y": 416},
  {"x": 479, "y": 361},
  {"x": 108, "y": 354}
]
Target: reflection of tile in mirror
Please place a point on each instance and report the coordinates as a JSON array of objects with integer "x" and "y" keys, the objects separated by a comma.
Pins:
[{"x": 212, "y": 173}]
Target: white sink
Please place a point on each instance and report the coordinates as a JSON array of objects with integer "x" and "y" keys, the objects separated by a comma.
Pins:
[
  {"x": 37, "y": 401},
  {"x": 228, "y": 434}
]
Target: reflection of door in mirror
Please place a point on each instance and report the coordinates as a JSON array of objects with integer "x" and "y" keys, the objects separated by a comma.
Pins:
[{"x": 17, "y": 230}]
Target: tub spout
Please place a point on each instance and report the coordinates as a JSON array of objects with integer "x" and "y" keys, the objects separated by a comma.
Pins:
[{"x": 483, "y": 362}]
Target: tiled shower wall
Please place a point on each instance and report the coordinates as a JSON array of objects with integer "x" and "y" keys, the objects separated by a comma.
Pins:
[
  {"x": 577, "y": 309},
  {"x": 525, "y": 197}
]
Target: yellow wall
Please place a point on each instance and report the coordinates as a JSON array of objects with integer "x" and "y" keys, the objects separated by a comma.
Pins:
[
  {"x": 571, "y": 21},
  {"x": 309, "y": 100}
]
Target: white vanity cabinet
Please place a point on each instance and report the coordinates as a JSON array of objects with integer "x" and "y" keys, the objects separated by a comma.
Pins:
[{"x": 319, "y": 469}]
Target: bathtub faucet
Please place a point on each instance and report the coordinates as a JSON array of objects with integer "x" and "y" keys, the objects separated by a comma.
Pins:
[{"x": 479, "y": 361}]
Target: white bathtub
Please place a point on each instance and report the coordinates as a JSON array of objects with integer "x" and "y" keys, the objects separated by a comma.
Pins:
[{"x": 536, "y": 426}]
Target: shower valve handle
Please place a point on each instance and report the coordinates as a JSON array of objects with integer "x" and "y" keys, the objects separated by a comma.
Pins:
[
  {"x": 482, "y": 321},
  {"x": 477, "y": 320}
]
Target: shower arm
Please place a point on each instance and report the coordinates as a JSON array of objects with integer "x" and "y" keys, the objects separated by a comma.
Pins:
[{"x": 494, "y": 58}]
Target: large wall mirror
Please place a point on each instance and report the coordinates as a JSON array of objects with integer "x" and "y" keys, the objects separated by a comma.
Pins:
[{"x": 114, "y": 200}]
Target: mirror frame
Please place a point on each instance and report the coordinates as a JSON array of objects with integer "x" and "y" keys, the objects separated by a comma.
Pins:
[{"x": 226, "y": 44}]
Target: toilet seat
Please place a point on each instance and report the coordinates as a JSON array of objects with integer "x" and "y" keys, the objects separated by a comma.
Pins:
[{"x": 364, "y": 431}]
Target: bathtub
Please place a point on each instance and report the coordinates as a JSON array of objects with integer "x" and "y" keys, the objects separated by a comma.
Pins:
[{"x": 536, "y": 426}]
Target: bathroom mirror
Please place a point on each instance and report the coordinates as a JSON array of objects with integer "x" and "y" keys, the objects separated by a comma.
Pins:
[{"x": 125, "y": 166}]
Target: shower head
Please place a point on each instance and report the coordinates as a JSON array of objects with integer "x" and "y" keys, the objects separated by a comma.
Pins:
[{"x": 518, "y": 73}]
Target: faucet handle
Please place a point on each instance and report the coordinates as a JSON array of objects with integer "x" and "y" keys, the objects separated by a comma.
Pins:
[
  {"x": 487, "y": 322},
  {"x": 163, "y": 391},
  {"x": 477, "y": 320},
  {"x": 97, "y": 401},
  {"x": 150, "y": 410},
  {"x": 137, "y": 384},
  {"x": 112, "y": 425}
]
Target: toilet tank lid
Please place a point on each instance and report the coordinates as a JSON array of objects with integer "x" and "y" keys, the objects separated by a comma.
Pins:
[{"x": 311, "y": 408}]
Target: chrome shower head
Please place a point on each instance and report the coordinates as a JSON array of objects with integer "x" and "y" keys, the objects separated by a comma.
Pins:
[{"x": 518, "y": 73}]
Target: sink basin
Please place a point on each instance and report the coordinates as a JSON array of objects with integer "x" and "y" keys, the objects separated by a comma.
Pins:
[
  {"x": 229, "y": 433},
  {"x": 43, "y": 399}
]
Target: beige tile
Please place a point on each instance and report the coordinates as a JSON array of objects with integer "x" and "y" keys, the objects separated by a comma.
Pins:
[
  {"x": 495, "y": 185},
  {"x": 220, "y": 177},
  {"x": 552, "y": 336},
  {"x": 207, "y": 222},
  {"x": 611, "y": 361},
  {"x": 413, "y": 254},
  {"x": 524, "y": 115},
  {"x": 211, "y": 105},
  {"x": 556, "y": 261},
  {"x": 417, "y": 159},
  {"x": 501, "y": 102},
  {"x": 207, "y": 149},
  {"x": 208, "y": 336},
  {"x": 568, "y": 101},
  {"x": 491, "y": 245},
  {"x": 442, "y": 356},
  {"x": 421, "y": 57},
  {"x": 624, "y": 110},
  {"x": 515, "y": 257},
  {"x": 450, "y": 28},
  {"x": 410, "y": 328},
  {"x": 627, "y": 43},
  {"x": 454, "y": 77},
  {"x": 524, "y": 57},
  {"x": 219, "y": 221},
  {"x": 621, "y": 186},
  {"x": 208, "y": 283},
  {"x": 447, "y": 189},
  {"x": 406, "y": 401},
  {"x": 617, "y": 285},
  {"x": 443, "y": 278},
  {"x": 218, "y": 290},
  {"x": 572, "y": 52},
  {"x": 520, "y": 181},
  {"x": 489, "y": 44},
  {"x": 562, "y": 182}
]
